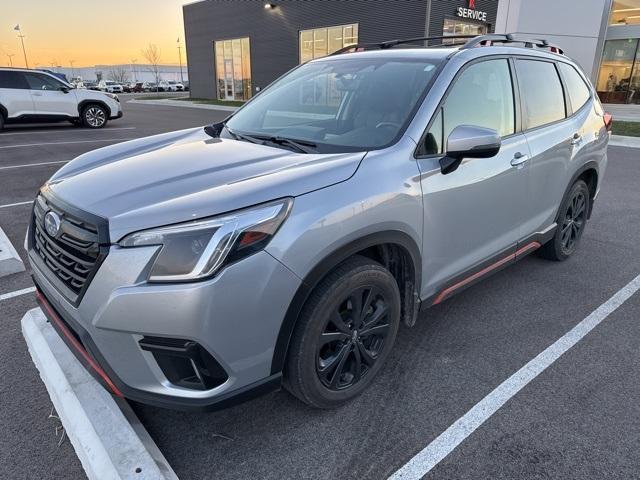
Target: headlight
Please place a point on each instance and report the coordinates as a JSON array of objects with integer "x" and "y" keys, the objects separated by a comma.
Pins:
[
  {"x": 197, "y": 250},
  {"x": 115, "y": 97}
]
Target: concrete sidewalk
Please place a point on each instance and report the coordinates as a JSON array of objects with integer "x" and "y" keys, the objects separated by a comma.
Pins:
[
  {"x": 624, "y": 113},
  {"x": 184, "y": 104}
]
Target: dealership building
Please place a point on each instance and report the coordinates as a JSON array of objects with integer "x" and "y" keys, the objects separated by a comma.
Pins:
[{"x": 237, "y": 47}]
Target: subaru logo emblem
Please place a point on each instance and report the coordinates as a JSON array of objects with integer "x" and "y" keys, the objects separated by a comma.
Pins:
[{"x": 52, "y": 223}]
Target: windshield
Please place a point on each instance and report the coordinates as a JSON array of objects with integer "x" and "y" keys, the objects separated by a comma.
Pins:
[{"x": 341, "y": 105}]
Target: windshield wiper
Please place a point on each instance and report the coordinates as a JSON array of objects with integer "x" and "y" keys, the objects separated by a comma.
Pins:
[
  {"x": 246, "y": 138},
  {"x": 299, "y": 145}
]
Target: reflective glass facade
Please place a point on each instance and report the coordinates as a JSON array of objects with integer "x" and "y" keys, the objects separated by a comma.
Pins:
[
  {"x": 320, "y": 42},
  {"x": 460, "y": 27},
  {"x": 625, "y": 12},
  {"x": 233, "y": 69}
]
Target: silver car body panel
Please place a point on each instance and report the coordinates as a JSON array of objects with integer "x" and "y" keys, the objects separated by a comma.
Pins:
[{"x": 454, "y": 222}]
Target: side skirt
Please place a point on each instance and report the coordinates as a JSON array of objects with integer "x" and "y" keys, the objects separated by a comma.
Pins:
[{"x": 490, "y": 266}]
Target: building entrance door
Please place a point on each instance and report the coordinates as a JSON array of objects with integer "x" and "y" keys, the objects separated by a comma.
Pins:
[{"x": 228, "y": 80}]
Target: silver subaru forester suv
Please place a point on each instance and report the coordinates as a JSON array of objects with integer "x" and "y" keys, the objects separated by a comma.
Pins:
[{"x": 286, "y": 244}]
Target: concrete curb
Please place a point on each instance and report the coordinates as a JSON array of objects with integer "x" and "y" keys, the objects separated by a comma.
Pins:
[
  {"x": 10, "y": 261},
  {"x": 622, "y": 141},
  {"x": 110, "y": 443},
  {"x": 184, "y": 104}
]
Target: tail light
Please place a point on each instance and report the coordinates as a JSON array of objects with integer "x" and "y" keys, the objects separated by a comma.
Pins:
[{"x": 608, "y": 121}]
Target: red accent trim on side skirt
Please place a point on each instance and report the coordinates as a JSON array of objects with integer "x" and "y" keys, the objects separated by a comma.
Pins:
[
  {"x": 447, "y": 291},
  {"x": 53, "y": 316}
]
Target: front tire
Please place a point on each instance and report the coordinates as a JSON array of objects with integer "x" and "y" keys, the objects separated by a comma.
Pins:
[
  {"x": 572, "y": 220},
  {"x": 344, "y": 334},
  {"x": 94, "y": 116},
  {"x": 1, "y": 122}
]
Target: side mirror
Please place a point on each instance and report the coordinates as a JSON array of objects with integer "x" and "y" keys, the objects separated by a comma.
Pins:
[
  {"x": 468, "y": 141},
  {"x": 64, "y": 89}
]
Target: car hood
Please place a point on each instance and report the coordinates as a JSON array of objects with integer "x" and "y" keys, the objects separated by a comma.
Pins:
[{"x": 183, "y": 175}]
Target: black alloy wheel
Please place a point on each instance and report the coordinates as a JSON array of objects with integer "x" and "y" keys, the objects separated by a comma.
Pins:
[
  {"x": 573, "y": 221},
  {"x": 344, "y": 334},
  {"x": 353, "y": 337}
]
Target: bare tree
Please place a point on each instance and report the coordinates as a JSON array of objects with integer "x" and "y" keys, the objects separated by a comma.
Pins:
[
  {"x": 152, "y": 55},
  {"x": 119, "y": 74}
]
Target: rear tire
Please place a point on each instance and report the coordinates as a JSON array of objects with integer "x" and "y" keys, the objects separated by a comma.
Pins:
[
  {"x": 344, "y": 334},
  {"x": 572, "y": 220},
  {"x": 94, "y": 116}
]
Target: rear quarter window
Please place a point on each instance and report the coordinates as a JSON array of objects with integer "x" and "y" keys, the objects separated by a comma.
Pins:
[
  {"x": 577, "y": 89},
  {"x": 14, "y": 80},
  {"x": 541, "y": 92}
]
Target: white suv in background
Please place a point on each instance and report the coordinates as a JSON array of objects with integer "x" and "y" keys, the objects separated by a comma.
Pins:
[
  {"x": 28, "y": 96},
  {"x": 110, "y": 86}
]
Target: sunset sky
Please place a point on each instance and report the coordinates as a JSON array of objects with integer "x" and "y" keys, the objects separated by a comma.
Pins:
[{"x": 88, "y": 33}]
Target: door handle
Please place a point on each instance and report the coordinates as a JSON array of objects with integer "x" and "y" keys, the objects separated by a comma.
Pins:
[
  {"x": 519, "y": 159},
  {"x": 37, "y": 94},
  {"x": 576, "y": 139}
]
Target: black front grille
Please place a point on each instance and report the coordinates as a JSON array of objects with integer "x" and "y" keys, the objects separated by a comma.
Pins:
[{"x": 73, "y": 254}]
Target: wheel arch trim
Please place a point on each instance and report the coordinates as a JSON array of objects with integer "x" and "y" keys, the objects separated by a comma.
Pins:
[
  {"x": 591, "y": 165},
  {"x": 322, "y": 268},
  {"x": 87, "y": 102}
]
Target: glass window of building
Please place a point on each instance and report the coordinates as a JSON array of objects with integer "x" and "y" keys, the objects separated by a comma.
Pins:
[
  {"x": 625, "y": 12},
  {"x": 616, "y": 69},
  {"x": 320, "y": 42},
  {"x": 541, "y": 91},
  {"x": 233, "y": 69},
  {"x": 458, "y": 27}
]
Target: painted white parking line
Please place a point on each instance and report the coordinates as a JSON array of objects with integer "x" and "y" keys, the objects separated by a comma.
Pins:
[
  {"x": 16, "y": 204},
  {"x": 17, "y": 293},
  {"x": 65, "y": 130},
  {"x": 34, "y": 164},
  {"x": 5, "y": 147},
  {"x": 453, "y": 436}
]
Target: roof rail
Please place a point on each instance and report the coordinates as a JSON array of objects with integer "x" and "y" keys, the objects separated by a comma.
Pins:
[
  {"x": 473, "y": 41},
  {"x": 495, "y": 38},
  {"x": 360, "y": 47}
]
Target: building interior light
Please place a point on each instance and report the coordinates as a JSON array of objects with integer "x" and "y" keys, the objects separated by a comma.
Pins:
[{"x": 269, "y": 6}]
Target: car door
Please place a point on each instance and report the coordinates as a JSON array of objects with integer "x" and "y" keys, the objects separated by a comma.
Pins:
[
  {"x": 15, "y": 96},
  {"x": 50, "y": 96},
  {"x": 551, "y": 141},
  {"x": 472, "y": 216}
]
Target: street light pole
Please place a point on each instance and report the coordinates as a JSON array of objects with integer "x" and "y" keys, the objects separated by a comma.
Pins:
[
  {"x": 135, "y": 74},
  {"x": 10, "y": 55},
  {"x": 73, "y": 72},
  {"x": 180, "y": 60},
  {"x": 24, "y": 52}
]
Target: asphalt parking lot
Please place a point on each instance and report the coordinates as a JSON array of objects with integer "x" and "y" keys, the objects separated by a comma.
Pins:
[{"x": 579, "y": 418}]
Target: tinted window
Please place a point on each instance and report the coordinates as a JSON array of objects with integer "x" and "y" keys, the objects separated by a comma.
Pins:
[
  {"x": 482, "y": 96},
  {"x": 577, "y": 89},
  {"x": 541, "y": 92},
  {"x": 38, "y": 81},
  {"x": 12, "y": 80}
]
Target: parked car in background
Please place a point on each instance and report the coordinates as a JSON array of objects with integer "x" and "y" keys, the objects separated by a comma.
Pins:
[
  {"x": 137, "y": 87},
  {"x": 110, "y": 86},
  {"x": 151, "y": 87},
  {"x": 90, "y": 85},
  {"x": 126, "y": 87},
  {"x": 177, "y": 85},
  {"x": 283, "y": 247},
  {"x": 186, "y": 86},
  {"x": 166, "y": 86},
  {"x": 36, "y": 96}
]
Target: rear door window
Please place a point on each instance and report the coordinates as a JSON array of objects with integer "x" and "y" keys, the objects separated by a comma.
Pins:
[
  {"x": 13, "y": 80},
  {"x": 577, "y": 89},
  {"x": 541, "y": 92}
]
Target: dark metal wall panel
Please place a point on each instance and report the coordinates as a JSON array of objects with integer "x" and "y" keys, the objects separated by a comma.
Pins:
[{"x": 274, "y": 33}]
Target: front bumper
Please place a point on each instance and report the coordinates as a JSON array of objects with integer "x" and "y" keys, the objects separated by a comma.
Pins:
[
  {"x": 235, "y": 316},
  {"x": 116, "y": 116}
]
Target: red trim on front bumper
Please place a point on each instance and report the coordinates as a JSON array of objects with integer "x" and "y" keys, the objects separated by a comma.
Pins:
[{"x": 53, "y": 316}]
